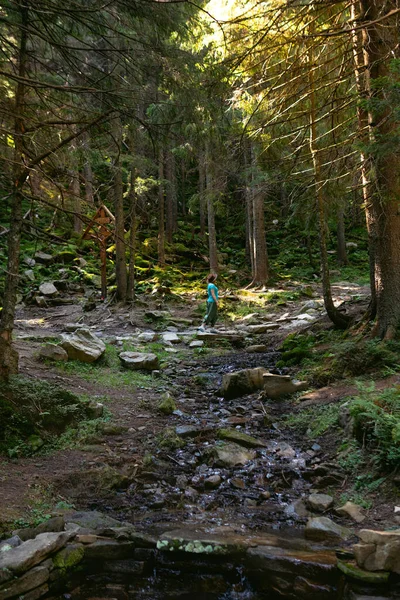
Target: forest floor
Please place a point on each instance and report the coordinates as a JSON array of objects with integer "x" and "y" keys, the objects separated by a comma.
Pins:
[{"x": 134, "y": 468}]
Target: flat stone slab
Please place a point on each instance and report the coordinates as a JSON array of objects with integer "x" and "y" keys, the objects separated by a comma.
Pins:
[
  {"x": 30, "y": 553},
  {"x": 196, "y": 344},
  {"x": 228, "y": 335},
  {"x": 241, "y": 438},
  {"x": 147, "y": 336},
  {"x": 138, "y": 360},
  {"x": 260, "y": 328},
  {"x": 171, "y": 338}
]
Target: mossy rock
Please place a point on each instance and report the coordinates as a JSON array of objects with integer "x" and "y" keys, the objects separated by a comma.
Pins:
[
  {"x": 353, "y": 571},
  {"x": 66, "y": 256},
  {"x": 69, "y": 557},
  {"x": 167, "y": 404},
  {"x": 240, "y": 438}
]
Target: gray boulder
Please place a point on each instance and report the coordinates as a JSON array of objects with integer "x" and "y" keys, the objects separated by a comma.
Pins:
[
  {"x": 354, "y": 511},
  {"x": 43, "y": 258},
  {"x": 30, "y": 553},
  {"x": 322, "y": 529},
  {"x": 139, "y": 361},
  {"x": 48, "y": 289},
  {"x": 53, "y": 352},
  {"x": 231, "y": 455},
  {"x": 29, "y": 275},
  {"x": 147, "y": 336},
  {"x": 242, "y": 382},
  {"x": 171, "y": 337},
  {"x": 83, "y": 345},
  {"x": 319, "y": 502},
  {"x": 280, "y": 385}
]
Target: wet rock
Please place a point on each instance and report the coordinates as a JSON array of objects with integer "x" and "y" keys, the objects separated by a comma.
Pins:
[
  {"x": 319, "y": 502},
  {"x": 275, "y": 386},
  {"x": 240, "y": 438},
  {"x": 30, "y": 553},
  {"x": 192, "y": 430},
  {"x": 242, "y": 382},
  {"x": 302, "y": 563},
  {"x": 354, "y": 511},
  {"x": 297, "y": 509},
  {"x": 322, "y": 529},
  {"x": 83, "y": 345},
  {"x": 231, "y": 455},
  {"x": 43, "y": 258},
  {"x": 109, "y": 550},
  {"x": 125, "y": 567},
  {"x": 256, "y": 348},
  {"x": 53, "y": 352},
  {"x": 237, "y": 483},
  {"x": 284, "y": 450},
  {"x": 138, "y": 361}
]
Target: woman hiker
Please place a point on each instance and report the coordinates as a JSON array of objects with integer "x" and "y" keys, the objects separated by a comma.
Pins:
[{"x": 212, "y": 304}]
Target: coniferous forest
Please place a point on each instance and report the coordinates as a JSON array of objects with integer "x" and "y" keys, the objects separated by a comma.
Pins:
[{"x": 148, "y": 144}]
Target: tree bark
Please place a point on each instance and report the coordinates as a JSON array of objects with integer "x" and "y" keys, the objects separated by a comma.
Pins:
[
  {"x": 212, "y": 235},
  {"x": 87, "y": 170},
  {"x": 120, "y": 246},
  {"x": 8, "y": 355},
  {"x": 161, "y": 208},
  {"x": 260, "y": 276},
  {"x": 381, "y": 44},
  {"x": 75, "y": 189},
  {"x": 341, "y": 238},
  {"x": 202, "y": 199},
  {"x": 170, "y": 194}
]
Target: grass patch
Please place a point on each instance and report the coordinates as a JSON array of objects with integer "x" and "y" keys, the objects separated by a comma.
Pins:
[{"x": 315, "y": 421}]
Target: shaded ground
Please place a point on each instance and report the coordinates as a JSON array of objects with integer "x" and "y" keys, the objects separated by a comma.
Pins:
[{"x": 133, "y": 467}]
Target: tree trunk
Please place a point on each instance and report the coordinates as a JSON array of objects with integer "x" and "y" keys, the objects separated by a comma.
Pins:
[
  {"x": 171, "y": 201},
  {"x": 87, "y": 170},
  {"x": 340, "y": 320},
  {"x": 120, "y": 246},
  {"x": 161, "y": 209},
  {"x": 202, "y": 199},
  {"x": 212, "y": 235},
  {"x": 367, "y": 165},
  {"x": 341, "y": 238},
  {"x": 260, "y": 276},
  {"x": 381, "y": 44},
  {"x": 75, "y": 189},
  {"x": 8, "y": 355}
]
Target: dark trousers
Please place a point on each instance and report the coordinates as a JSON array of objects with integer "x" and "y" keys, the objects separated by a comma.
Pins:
[{"x": 212, "y": 314}]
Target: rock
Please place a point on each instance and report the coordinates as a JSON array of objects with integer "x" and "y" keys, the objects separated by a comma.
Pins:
[
  {"x": 304, "y": 317},
  {"x": 279, "y": 385},
  {"x": 71, "y": 327},
  {"x": 81, "y": 262},
  {"x": 172, "y": 338},
  {"x": 95, "y": 410},
  {"x": 69, "y": 557},
  {"x": 41, "y": 301},
  {"x": 362, "y": 552},
  {"x": 386, "y": 556},
  {"x": 231, "y": 455},
  {"x": 167, "y": 405},
  {"x": 29, "y": 275},
  {"x": 91, "y": 519},
  {"x": 138, "y": 360},
  {"x": 212, "y": 482},
  {"x": 297, "y": 510},
  {"x": 31, "y": 262},
  {"x": 319, "y": 502},
  {"x": 260, "y": 328},
  {"x": 354, "y": 572},
  {"x": 256, "y": 348},
  {"x": 351, "y": 245},
  {"x": 66, "y": 256},
  {"x": 354, "y": 511},
  {"x": 30, "y": 553},
  {"x": 53, "y": 352},
  {"x": 109, "y": 550},
  {"x": 54, "y": 524},
  {"x": 147, "y": 336},
  {"x": 125, "y": 567},
  {"x": 242, "y": 382},
  {"x": 192, "y": 430},
  {"x": 29, "y": 581},
  {"x": 10, "y": 543},
  {"x": 157, "y": 315},
  {"x": 196, "y": 344},
  {"x": 322, "y": 529},
  {"x": 43, "y": 258},
  {"x": 83, "y": 345},
  {"x": 240, "y": 438}
]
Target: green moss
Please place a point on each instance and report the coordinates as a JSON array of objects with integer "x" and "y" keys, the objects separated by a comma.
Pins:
[
  {"x": 351, "y": 570},
  {"x": 69, "y": 557},
  {"x": 167, "y": 404}
]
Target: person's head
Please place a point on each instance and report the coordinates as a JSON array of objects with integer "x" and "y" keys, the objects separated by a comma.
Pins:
[{"x": 211, "y": 278}]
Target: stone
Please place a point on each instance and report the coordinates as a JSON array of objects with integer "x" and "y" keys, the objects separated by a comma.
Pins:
[
  {"x": 71, "y": 327},
  {"x": 231, "y": 455},
  {"x": 43, "y": 258},
  {"x": 275, "y": 386},
  {"x": 54, "y": 524},
  {"x": 170, "y": 337},
  {"x": 31, "y": 262},
  {"x": 29, "y": 275},
  {"x": 284, "y": 450},
  {"x": 385, "y": 558},
  {"x": 92, "y": 520},
  {"x": 256, "y": 348},
  {"x": 304, "y": 317},
  {"x": 242, "y": 382},
  {"x": 355, "y": 572},
  {"x": 109, "y": 550},
  {"x": 167, "y": 404},
  {"x": 362, "y": 552},
  {"x": 30, "y": 553},
  {"x": 48, "y": 289},
  {"x": 319, "y": 502},
  {"x": 196, "y": 344},
  {"x": 322, "y": 529},
  {"x": 260, "y": 328},
  {"x": 83, "y": 345},
  {"x": 53, "y": 352},
  {"x": 370, "y": 536},
  {"x": 125, "y": 567},
  {"x": 192, "y": 430},
  {"x": 41, "y": 301},
  {"x": 354, "y": 511},
  {"x": 29, "y": 581},
  {"x": 139, "y": 361},
  {"x": 147, "y": 336},
  {"x": 157, "y": 315},
  {"x": 69, "y": 557},
  {"x": 10, "y": 543},
  {"x": 240, "y": 438},
  {"x": 301, "y": 563},
  {"x": 212, "y": 482}
]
